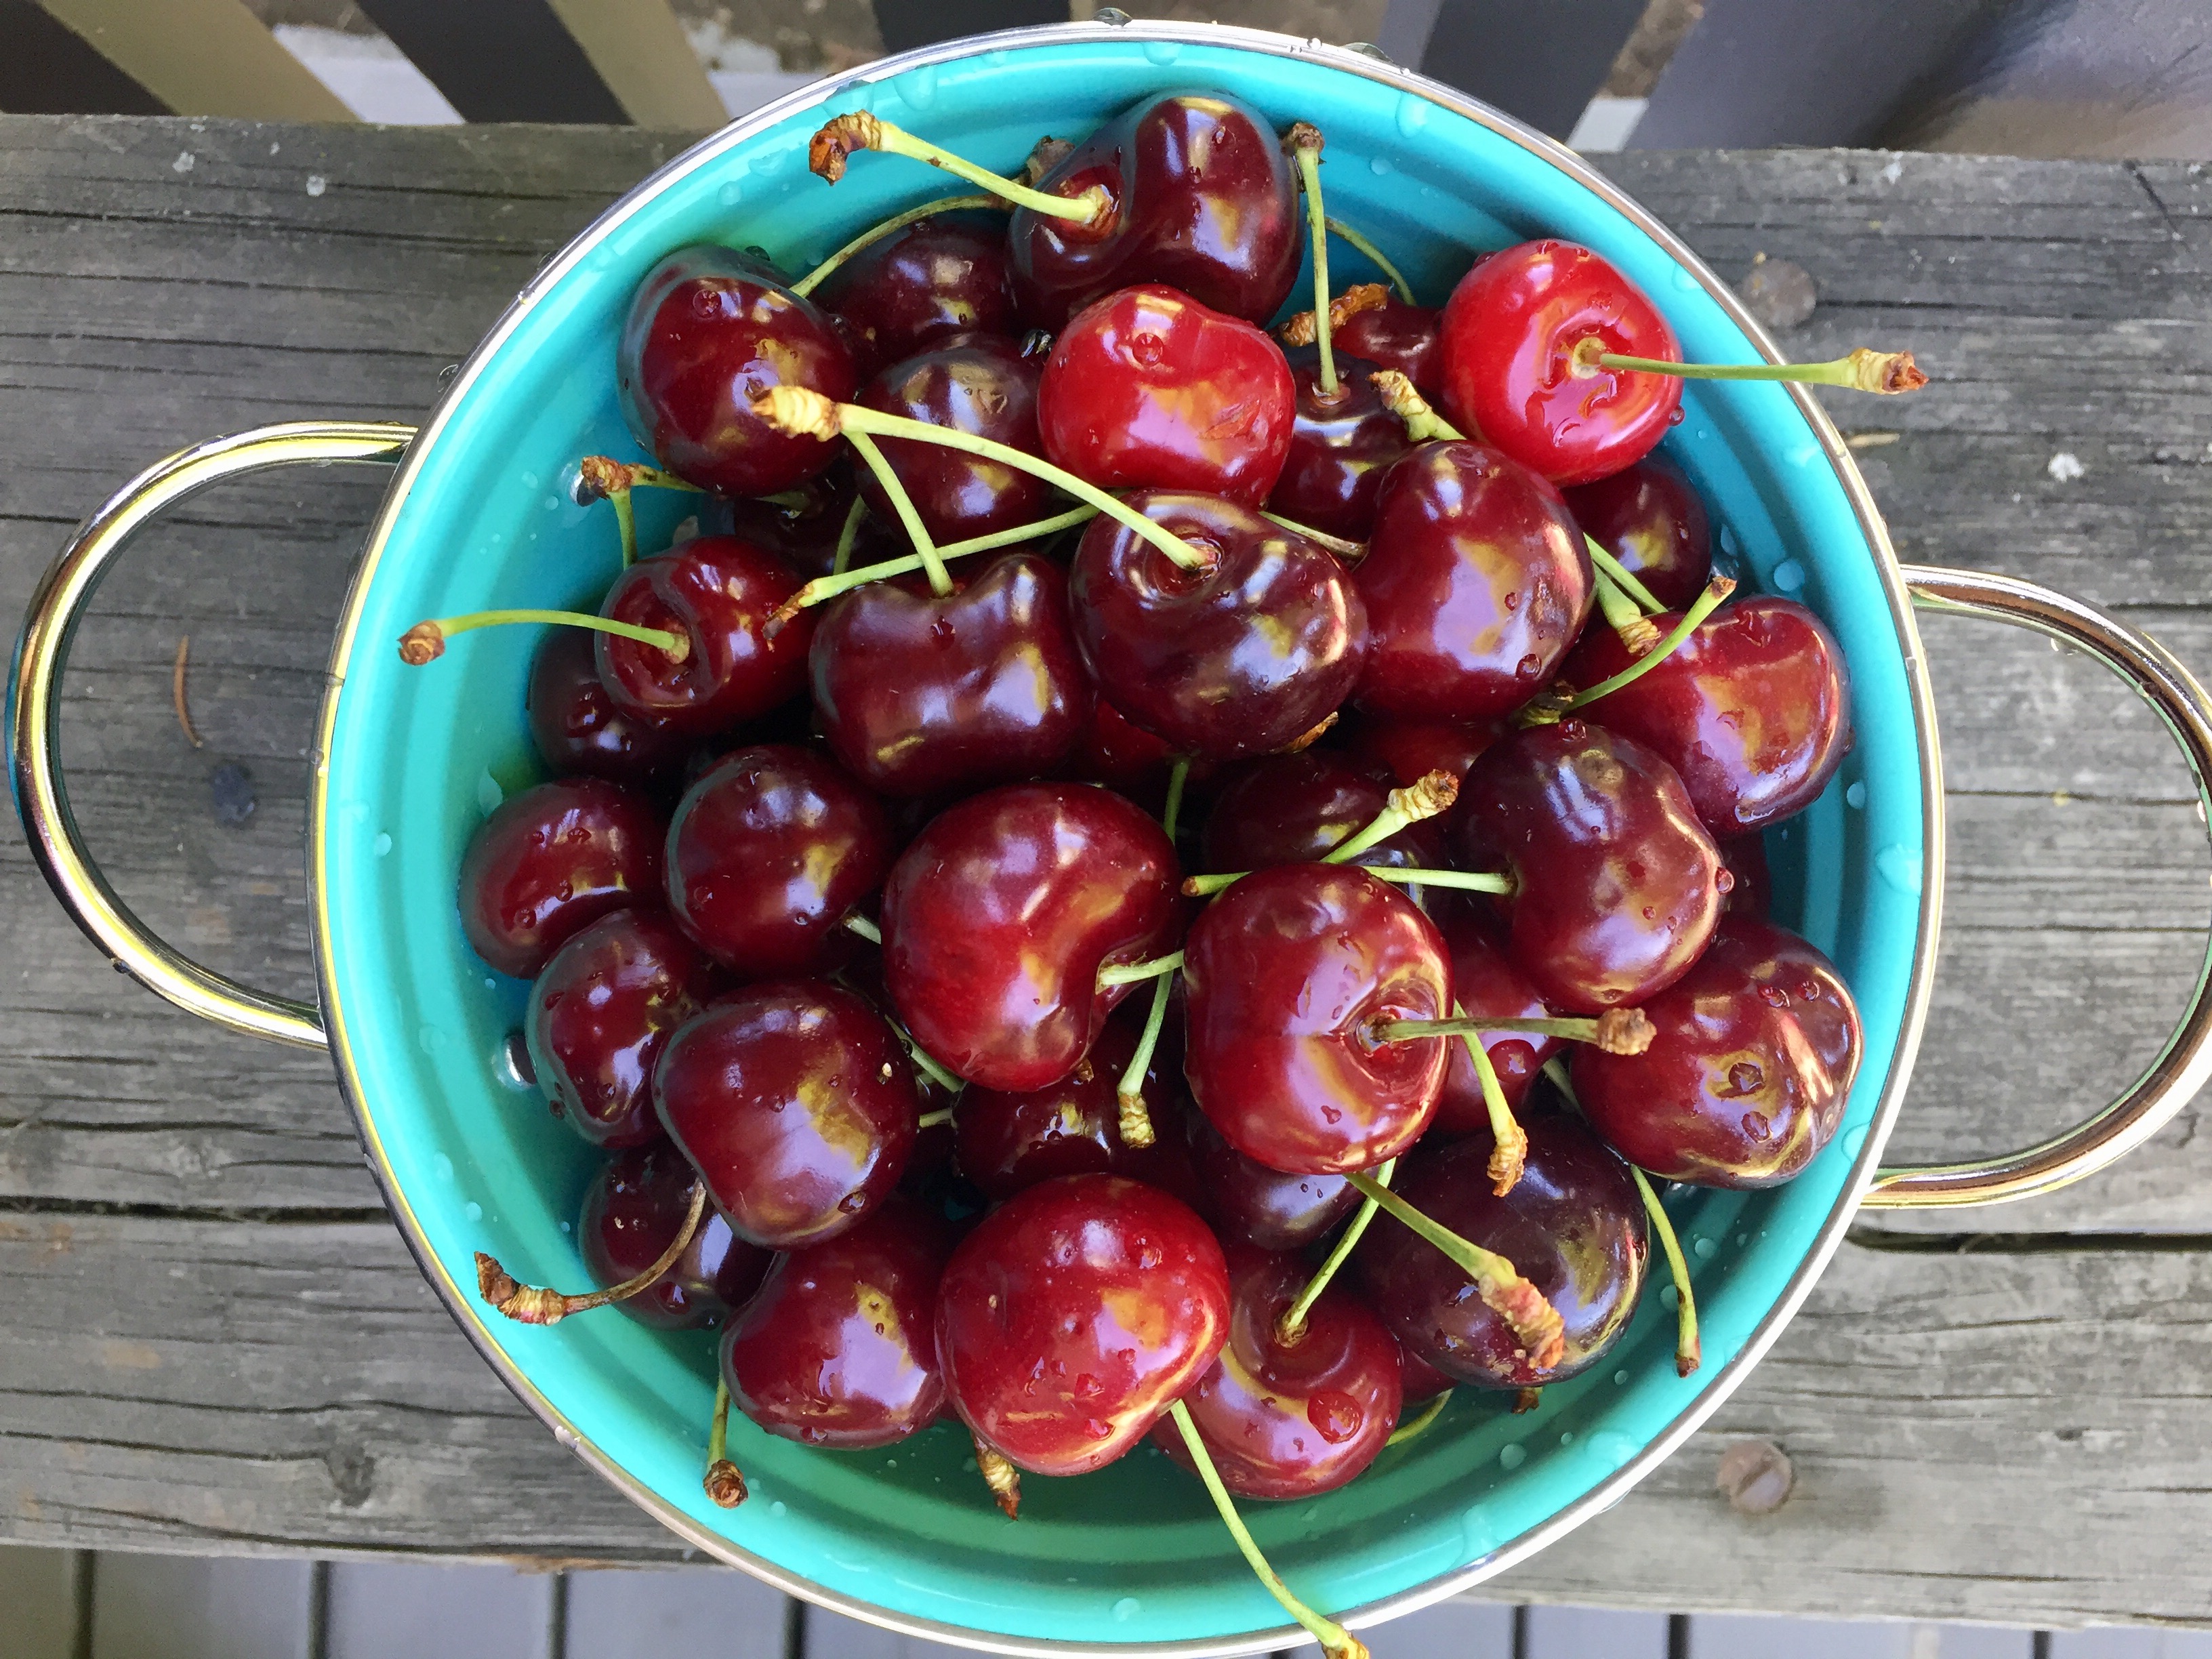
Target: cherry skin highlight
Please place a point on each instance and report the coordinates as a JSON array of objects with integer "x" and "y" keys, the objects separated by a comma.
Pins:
[
  {"x": 576, "y": 725},
  {"x": 1395, "y": 334},
  {"x": 1007, "y": 1142},
  {"x": 1247, "y": 1203},
  {"x": 1341, "y": 446},
  {"x": 718, "y": 593},
  {"x": 632, "y": 1212},
  {"x": 947, "y": 274},
  {"x": 1294, "y": 808},
  {"x": 551, "y": 861},
  {"x": 1650, "y": 518},
  {"x": 983, "y": 385}
]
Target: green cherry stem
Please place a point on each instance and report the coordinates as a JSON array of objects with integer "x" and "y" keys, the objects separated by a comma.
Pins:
[
  {"x": 426, "y": 640},
  {"x": 930, "y": 1119},
  {"x": 1638, "y": 632},
  {"x": 1291, "y": 1327},
  {"x": 940, "y": 579},
  {"x": 723, "y": 1481},
  {"x": 1426, "y": 796},
  {"x": 866, "y": 929},
  {"x": 1617, "y": 1030},
  {"x": 1423, "y": 423},
  {"x": 1302, "y": 144},
  {"x": 1464, "y": 881},
  {"x": 1522, "y": 1307},
  {"x": 827, "y": 152},
  {"x": 1865, "y": 370},
  {"x": 822, "y": 589},
  {"x": 1345, "y": 549},
  {"x": 602, "y": 477},
  {"x": 928, "y": 1064},
  {"x": 1136, "y": 1119},
  {"x": 805, "y": 287},
  {"x": 1429, "y": 1413},
  {"x": 1719, "y": 589},
  {"x": 1131, "y": 972},
  {"x": 1336, "y": 1642},
  {"x": 1622, "y": 578},
  {"x": 1688, "y": 1352},
  {"x": 849, "y": 532},
  {"x": 1345, "y": 234},
  {"x": 1178, "y": 776},
  {"x": 1509, "y": 1153}
]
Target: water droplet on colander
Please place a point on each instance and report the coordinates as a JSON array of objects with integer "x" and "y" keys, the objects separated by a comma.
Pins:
[
  {"x": 1128, "y": 1608},
  {"x": 1379, "y": 165},
  {"x": 1901, "y": 866},
  {"x": 1704, "y": 1247},
  {"x": 1684, "y": 280},
  {"x": 382, "y": 843},
  {"x": 473, "y": 1210},
  {"x": 431, "y": 1038},
  {"x": 1512, "y": 1456},
  {"x": 1853, "y": 1140},
  {"x": 443, "y": 1167},
  {"x": 1163, "y": 51},
  {"x": 777, "y": 1508},
  {"x": 1413, "y": 114},
  {"x": 919, "y": 88},
  {"x": 1476, "y": 1531},
  {"x": 730, "y": 194},
  {"x": 1790, "y": 575},
  {"x": 1620, "y": 1379},
  {"x": 488, "y": 794},
  {"x": 1855, "y": 795},
  {"x": 1612, "y": 1448}
]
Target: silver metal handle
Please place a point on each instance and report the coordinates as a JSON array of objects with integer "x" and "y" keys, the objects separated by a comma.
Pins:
[{"x": 34, "y": 713}]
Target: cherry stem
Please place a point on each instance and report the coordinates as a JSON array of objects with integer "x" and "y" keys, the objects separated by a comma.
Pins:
[
  {"x": 940, "y": 579},
  {"x": 534, "y": 1305},
  {"x": 723, "y": 1481},
  {"x": 1617, "y": 1030},
  {"x": 1304, "y": 143},
  {"x": 928, "y": 1064},
  {"x": 1178, "y": 776},
  {"x": 1338, "y": 228},
  {"x": 822, "y": 589},
  {"x": 1510, "y": 1152},
  {"x": 1429, "y": 1413},
  {"x": 1423, "y": 423},
  {"x": 806, "y": 285},
  {"x": 1342, "y": 546},
  {"x": 1556, "y": 1069},
  {"x": 1291, "y": 1328},
  {"x": 1534, "y": 1320},
  {"x": 602, "y": 477},
  {"x": 804, "y": 412},
  {"x": 425, "y": 641},
  {"x": 849, "y": 532},
  {"x": 1001, "y": 1475},
  {"x": 1688, "y": 1354},
  {"x": 1639, "y": 633},
  {"x": 1719, "y": 589},
  {"x": 1136, "y": 1120},
  {"x": 1130, "y": 973},
  {"x": 1865, "y": 370},
  {"x": 1426, "y": 796},
  {"x": 1622, "y": 578},
  {"x": 867, "y": 930},
  {"x": 1336, "y": 1641},
  {"x": 930, "y": 1119},
  {"x": 827, "y": 153},
  {"x": 1462, "y": 881}
]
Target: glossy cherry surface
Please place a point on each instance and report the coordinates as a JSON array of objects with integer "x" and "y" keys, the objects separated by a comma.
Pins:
[
  {"x": 1148, "y": 389},
  {"x": 718, "y": 592},
  {"x": 1341, "y": 446},
  {"x": 1116, "y": 752},
  {"x": 600, "y": 1013},
  {"x": 1487, "y": 985},
  {"x": 1395, "y": 334},
  {"x": 768, "y": 853},
  {"x": 801, "y": 526},
  {"x": 980, "y": 385},
  {"x": 1291, "y": 809},
  {"x": 1285, "y": 1420},
  {"x": 795, "y": 1103},
  {"x": 578, "y": 728},
  {"x": 1074, "y": 1315},
  {"x": 1409, "y": 748},
  {"x": 551, "y": 861},
  {"x": 709, "y": 330},
  {"x": 838, "y": 1347},
  {"x": 1573, "y": 1226},
  {"x": 1286, "y": 976},
  {"x": 1242, "y": 658},
  {"x": 1748, "y": 1074},
  {"x": 947, "y": 274},
  {"x": 1651, "y": 517},
  {"x": 998, "y": 917},
  {"x": 918, "y": 693},
  {"x": 632, "y": 1213},
  {"x": 1249, "y": 1203},
  {"x": 1476, "y": 582},
  {"x": 1508, "y": 333},
  {"x": 1753, "y": 709},
  {"x": 1006, "y": 1141},
  {"x": 1202, "y": 197},
  {"x": 1617, "y": 888},
  {"x": 1418, "y": 1380}
]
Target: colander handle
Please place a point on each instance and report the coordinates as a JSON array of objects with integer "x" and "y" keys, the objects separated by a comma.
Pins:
[
  {"x": 2186, "y": 1062},
  {"x": 34, "y": 713}
]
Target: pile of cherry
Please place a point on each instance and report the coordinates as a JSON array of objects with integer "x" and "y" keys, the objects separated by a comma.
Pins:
[{"x": 859, "y": 920}]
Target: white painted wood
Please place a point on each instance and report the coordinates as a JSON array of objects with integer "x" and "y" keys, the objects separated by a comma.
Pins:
[
  {"x": 1726, "y": 1637},
  {"x": 183, "y": 1606},
  {"x": 692, "y": 1610},
  {"x": 427, "y": 1610},
  {"x": 1595, "y": 1633},
  {"x": 1450, "y": 1630},
  {"x": 2108, "y": 1643},
  {"x": 38, "y": 1603}
]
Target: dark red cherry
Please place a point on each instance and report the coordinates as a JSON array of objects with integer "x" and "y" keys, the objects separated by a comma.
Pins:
[
  {"x": 1249, "y": 1203},
  {"x": 1747, "y": 1076},
  {"x": 1148, "y": 389},
  {"x": 1391, "y": 334},
  {"x": 1651, "y": 517},
  {"x": 1340, "y": 448},
  {"x": 999, "y": 916},
  {"x": 768, "y": 853},
  {"x": 1286, "y": 977},
  {"x": 710, "y": 330},
  {"x": 1201, "y": 196},
  {"x": 599, "y": 1015},
  {"x": 633, "y": 1210},
  {"x": 1292, "y": 1420},
  {"x": 1419, "y": 1379},
  {"x": 918, "y": 693},
  {"x": 980, "y": 385},
  {"x": 1476, "y": 582},
  {"x": 1487, "y": 986},
  {"x": 1616, "y": 890},
  {"x": 796, "y": 1104},
  {"x": 1753, "y": 709},
  {"x": 1009, "y": 1141},
  {"x": 801, "y": 526},
  {"x": 1074, "y": 1315},
  {"x": 718, "y": 593},
  {"x": 1508, "y": 339},
  {"x": 838, "y": 1347},
  {"x": 1119, "y": 753},
  {"x": 578, "y": 728},
  {"x": 944, "y": 275},
  {"x": 1242, "y": 658},
  {"x": 1573, "y": 1226},
  {"x": 551, "y": 861},
  {"x": 1750, "y": 888},
  {"x": 1410, "y": 749},
  {"x": 1291, "y": 809}
]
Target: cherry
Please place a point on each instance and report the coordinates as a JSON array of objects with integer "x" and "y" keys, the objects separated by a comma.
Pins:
[
  {"x": 999, "y": 917},
  {"x": 1074, "y": 1315},
  {"x": 946, "y": 274},
  {"x": 1417, "y": 1379},
  {"x": 1294, "y": 808},
  {"x": 1476, "y": 583},
  {"x": 1341, "y": 446},
  {"x": 767, "y": 853},
  {"x": 795, "y": 1103},
  {"x": 600, "y": 1013},
  {"x": 1249, "y": 1203},
  {"x": 1124, "y": 756},
  {"x": 1487, "y": 986},
  {"x": 1410, "y": 749},
  {"x": 709, "y": 330},
  {"x": 1749, "y": 891},
  {"x": 838, "y": 1347},
  {"x": 1373, "y": 323},
  {"x": 551, "y": 861},
  {"x": 979, "y": 384},
  {"x": 804, "y": 524},
  {"x": 1243, "y": 657},
  {"x": 1753, "y": 709},
  {"x": 1509, "y": 337},
  {"x": 1748, "y": 1077},
  {"x": 918, "y": 693},
  {"x": 1292, "y": 1420},
  {"x": 632, "y": 1212},
  {"x": 1149, "y": 389},
  {"x": 1649, "y": 518},
  {"x": 1285, "y": 975},
  {"x": 578, "y": 728},
  {"x": 1010, "y": 1141},
  {"x": 1616, "y": 880},
  {"x": 716, "y": 594},
  {"x": 1573, "y": 1225}
]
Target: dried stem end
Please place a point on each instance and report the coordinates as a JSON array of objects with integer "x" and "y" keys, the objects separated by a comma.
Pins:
[
  {"x": 1302, "y": 136},
  {"x": 798, "y": 411},
  {"x": 1623, "y": 1032},
  {"x": 829, "y": 149},
  {"x": 1136, "y": 1125},
  {"x": 1004, "y": 1479},
  {"x": 425, "y": 642},
  {"x": 1640, "y": 634},
  {"x": 725, "y": 1483},
  {"x": 526, "y": 1304},
  {"x": 1527, "y": 1400},
  {"x": 1508, "y": 1158},
  {"x": 1299, "y": 331},
  {"x": 1307, "y": 740},
  {"x": 1886, "y": 372},
  {"x": 1360, "y": 296},
  {"x": 1426, "y": 796},
  {"x": 1542, "y": 1332},
  {"x": 1048, "y": 154},
  {"x": 598, "y": 477}
]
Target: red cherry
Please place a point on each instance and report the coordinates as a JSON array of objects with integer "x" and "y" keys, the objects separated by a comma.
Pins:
[
  {"x": 551, "y": 861},
  {"x": 1509, "y": 335},
  {"x": 1409, "y": 750},
  {"x": 1340, "y": 448},
  {"x": 1476, "y": 582},
  {"x": 946, "y": 274},
  {"x": 1010, "y": 1141},
  {"x": 768, "y": 853},
  {"x": 598, "y": 1017},
  {"x": 1074, "y": 1315},
  {"x": 1116, "y": 752},
  {"x": 1419, "y": 1379},
  {"x": 1391, "y": 334},
  {"x": 1292, "y": 809},
  {"x": 578, "y": 728},
  {"x": 717, "y": 593},
  {"x": 1487, "y": 986},
  {"x": 980, "y": 385},
  {"x": 1650, "y": 518},
  {"x": 802, "y": 525},
  {"x": 1748, "y": 1074},
  {"x": 795, "y": 1103},
  {"x": 1287, "y": 976},
  {"x": 633, "y": 1210},
  {"x": 999, "y": 916},
  {"x": 838, "y": 1348},
  {"x": 1149, "y": 389},
  {"x": 709, "y": 330},
  {"x": 1249, "y": 1203}
]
